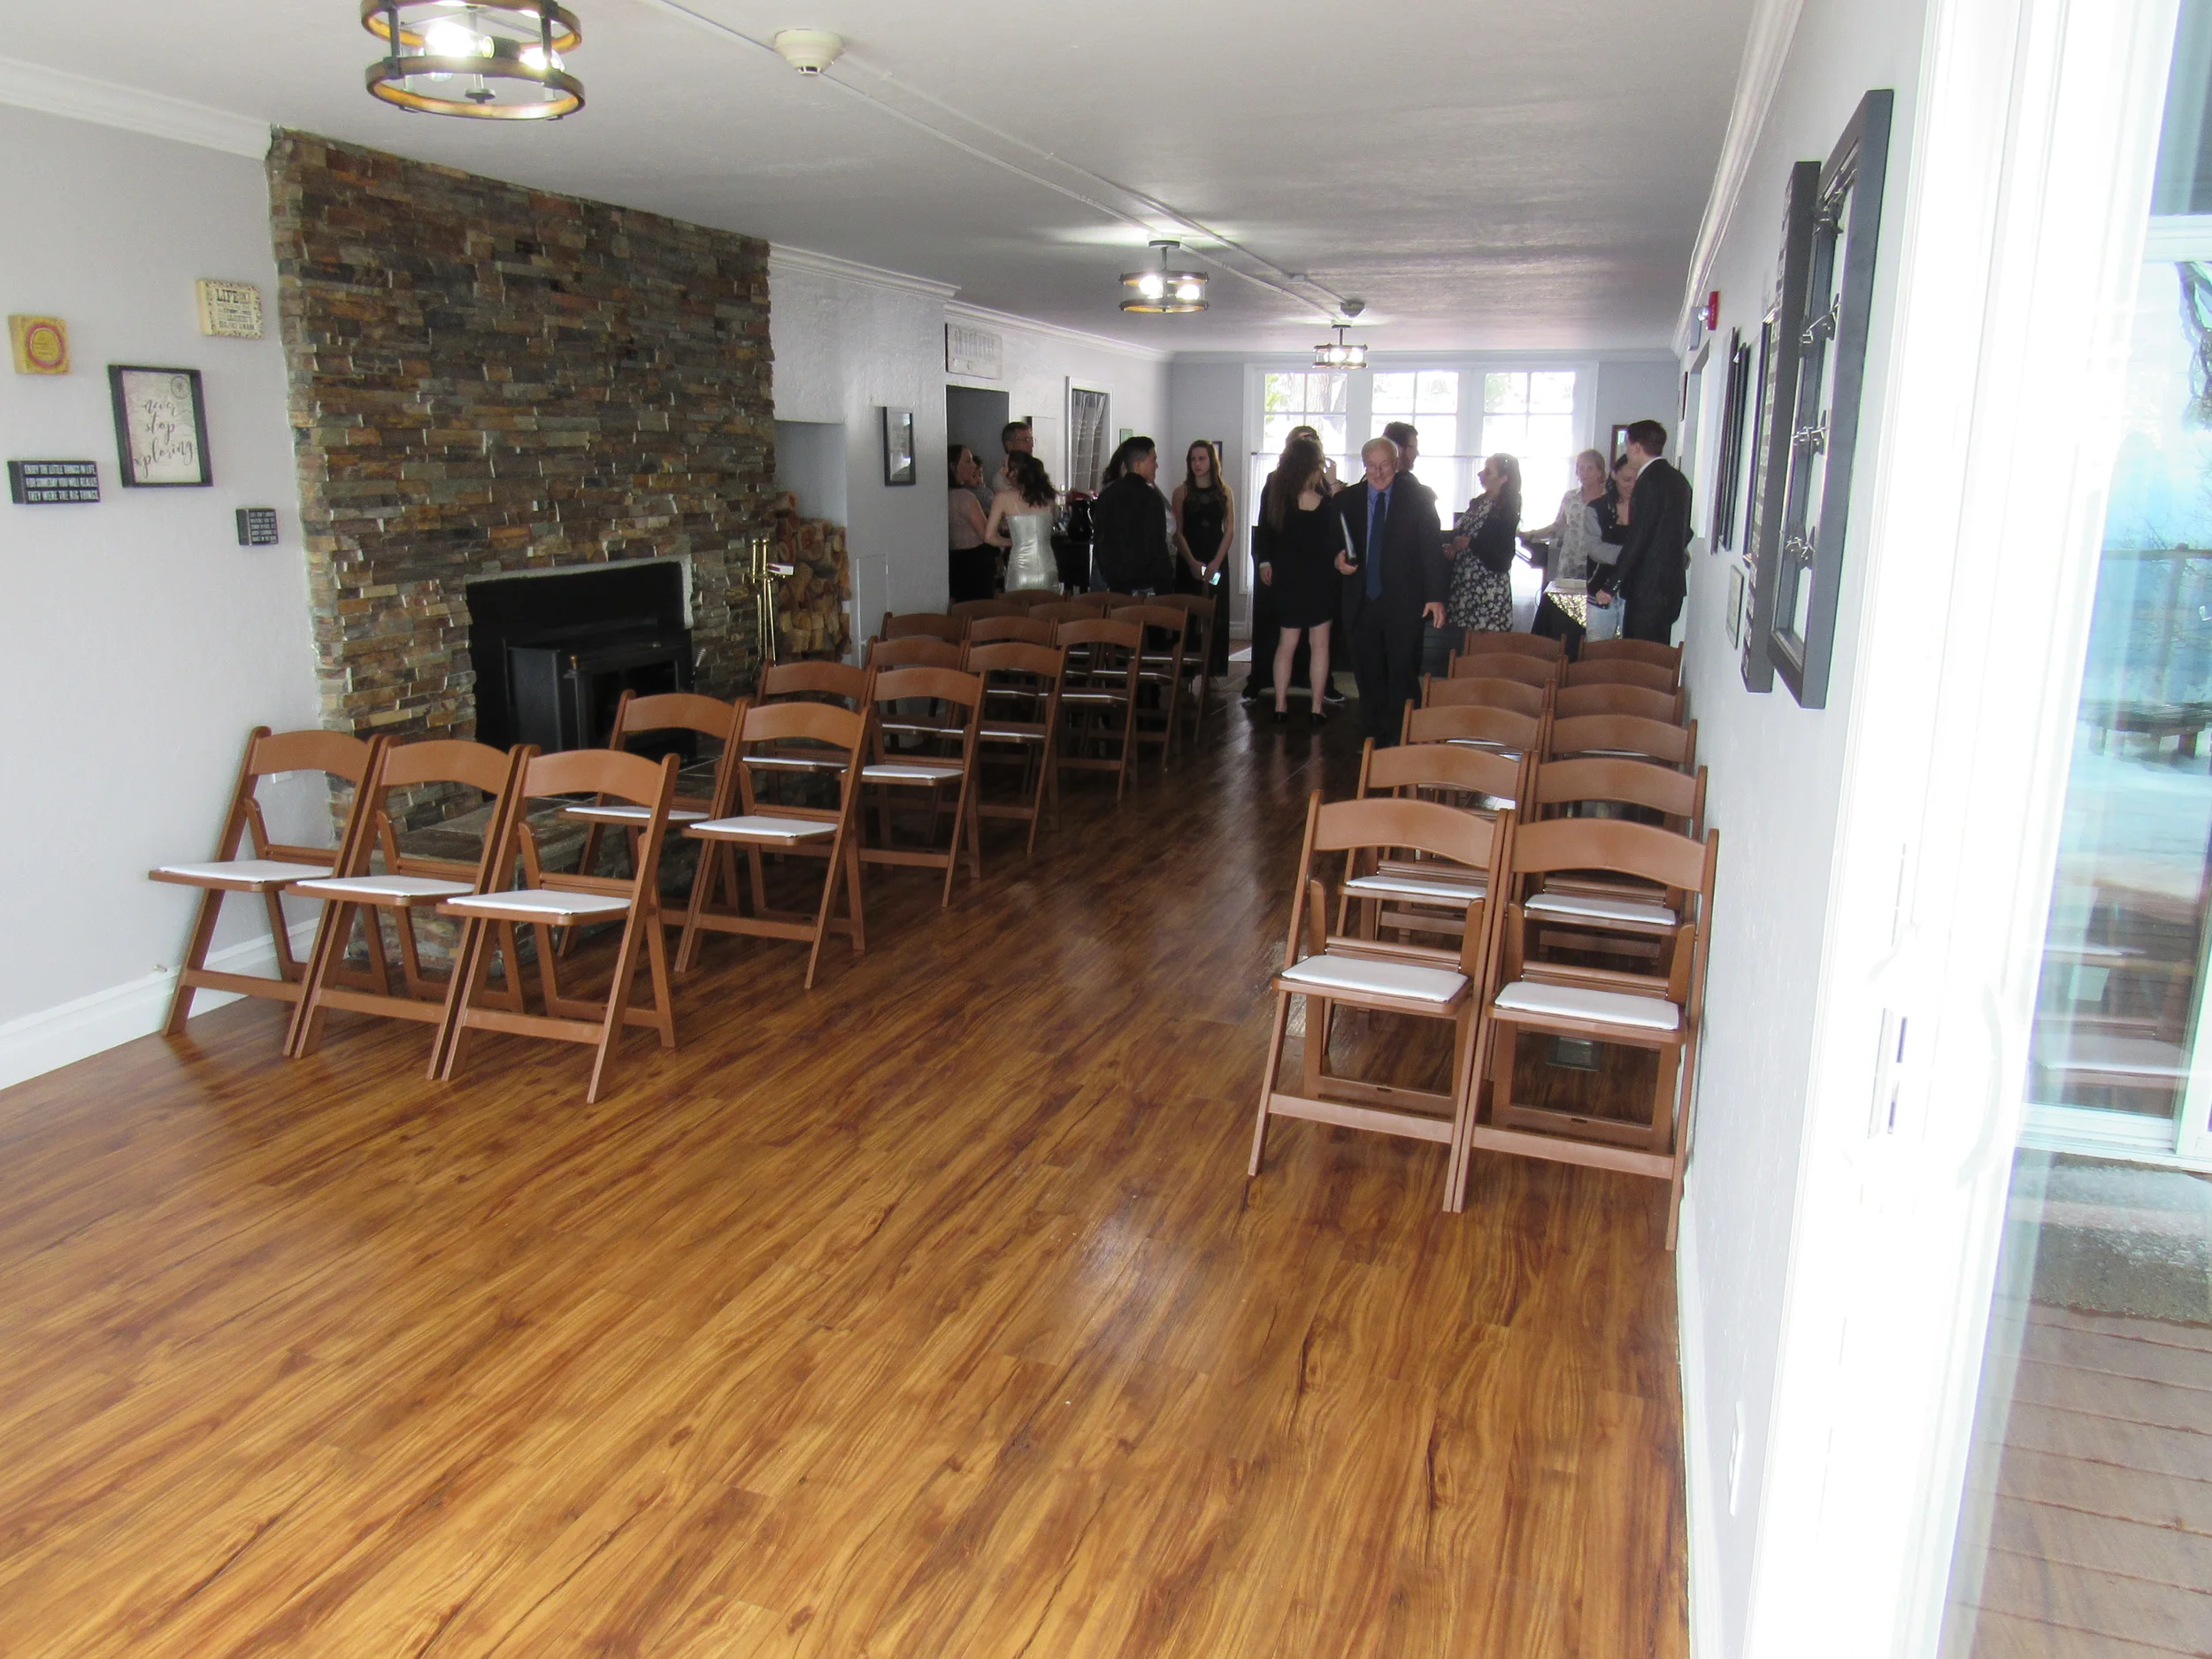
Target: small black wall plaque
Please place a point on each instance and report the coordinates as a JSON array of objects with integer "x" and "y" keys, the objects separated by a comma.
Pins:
[
  {"x": 38, "y": 483},
  {"x": 257, "y": 526}
]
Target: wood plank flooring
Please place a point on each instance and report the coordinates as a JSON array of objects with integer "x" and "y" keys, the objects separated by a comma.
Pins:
[{"x": 931, "y": 1314}]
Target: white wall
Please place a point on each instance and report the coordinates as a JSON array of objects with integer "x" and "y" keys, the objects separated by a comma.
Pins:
[
  {"x": 1633, "y": 389},
  {"x": 850, "y": 340},
  {"x": 1777, "y": 777},
  {"x": 138, "y": 642}
]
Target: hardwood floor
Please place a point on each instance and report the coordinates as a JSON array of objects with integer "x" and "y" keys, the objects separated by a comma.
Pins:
[{"x": 930, "y": 1314}]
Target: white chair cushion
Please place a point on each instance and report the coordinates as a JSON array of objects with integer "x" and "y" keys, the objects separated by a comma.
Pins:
[
  {"x": 615, "y": 812},
  {"x": 1481, "y": 743},
  {"x": 1000, "y": 735},
  {"x": 402, "y": 888},
  {"x": 917, "y": 728},
  {"x": 1426, "y": 890},
  {"x": 1332, "y": 975},
  {"x": 909, "y": 771},
  {"x": 795, "y": 763},
  {"x": 761, "y": 826},
  {"x": 1598, "y": 908},
  {"x": 1094, "y": 696},
  {"x": 538, "y": 904},
  {"x": 1576, "y": 1001},
  {"x": 241, "y": 875}
]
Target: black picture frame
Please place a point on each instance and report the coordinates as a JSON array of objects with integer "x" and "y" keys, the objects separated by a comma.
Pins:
[
  {"x": 898, "y": 447},
  {"x": 1771, "y": 427},
  {"x": 1831, "y": 352},
  {"x": 1728, "y": 492},
  {"x": 153, "y": 408}
]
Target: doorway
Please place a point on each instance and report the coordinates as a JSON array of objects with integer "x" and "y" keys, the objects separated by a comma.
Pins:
[{"x": 976, "y": 417}]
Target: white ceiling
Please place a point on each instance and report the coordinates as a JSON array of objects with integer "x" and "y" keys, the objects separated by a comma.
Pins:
[{"x": 1483, "y": 174}]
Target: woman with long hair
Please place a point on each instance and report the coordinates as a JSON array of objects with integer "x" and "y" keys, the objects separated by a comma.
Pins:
[
  {"x": 1259, "y": 679},
  {"x": 1296, "y": 544},
  {"x": 1482, "y": 566},
  {"x": 1204, "y": 509},
  {"x": 1021, "y": 521},
  {"x": 1129, "y": 523},
  {"x": 971, "y": 561}
]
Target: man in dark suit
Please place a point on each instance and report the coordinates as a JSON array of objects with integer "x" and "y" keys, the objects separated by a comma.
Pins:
[
  {"x": 1395, "y": 580},
  {"x": 1651, "y": 572}
]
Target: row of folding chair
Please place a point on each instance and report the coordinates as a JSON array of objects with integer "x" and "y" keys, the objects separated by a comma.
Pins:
[{"x": 1523, "y": 899}]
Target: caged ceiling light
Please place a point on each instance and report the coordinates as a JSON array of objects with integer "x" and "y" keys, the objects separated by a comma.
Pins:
[
  {"x": 1340, "y": 353},
  {"x": 1163, "y": 291},
  {"x": 492, "y": 61}
]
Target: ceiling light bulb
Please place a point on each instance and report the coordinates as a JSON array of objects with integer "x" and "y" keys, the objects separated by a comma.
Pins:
[
  {"x": 1187, "y": 290},
  {"x": 537, "y": 58},
  {"x": 447, "y": 38},
  {"x": 1152, "y": 285}
]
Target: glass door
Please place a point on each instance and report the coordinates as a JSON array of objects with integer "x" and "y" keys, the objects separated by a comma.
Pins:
[{"x": 2086, "y": 1529}]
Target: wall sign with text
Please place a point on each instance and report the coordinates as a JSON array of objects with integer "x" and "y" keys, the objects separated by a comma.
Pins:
[{"x": 52, "y": 483}]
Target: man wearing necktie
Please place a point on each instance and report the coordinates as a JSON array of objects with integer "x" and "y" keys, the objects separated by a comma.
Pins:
[{"x": 1394, "y": 558}]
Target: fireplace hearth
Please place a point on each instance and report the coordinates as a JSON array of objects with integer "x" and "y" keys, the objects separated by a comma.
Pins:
[{"x": 553, "y": 654}]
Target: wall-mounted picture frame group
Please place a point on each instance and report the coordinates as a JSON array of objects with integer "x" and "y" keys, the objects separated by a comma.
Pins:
[
  {"x": 1775, "y": 396},
  {"x": 1830, "y": 351},
  {"x": 160, "y": 427},
  {"x": 898, "y": 446}
]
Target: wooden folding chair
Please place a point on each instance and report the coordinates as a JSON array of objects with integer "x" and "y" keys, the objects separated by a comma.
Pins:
[
  {"x": 1572, "y": 701},
  {"x": 1530, "y": 671},
  {"x": 1532, "y": 700},
  {"x": 269, "y": 866},
  {"x": 814, "y": 681},
  {"x": 973, "y": 610},
  {"x": 933, "y": 624},
  {"x": 1563, "y": 787},
  {"x": 1021, "y": 716},
  {"x": 1599, "y": 1007},
  {"x": 767, "y": 736},
  {"x": 636, "y": 718},
  {"x": 1480, "y": 642},
  {"x": 1198, "y": 651},
  {"x": 916, "y": 650},
  {"x": 1622, "y": 671},
  {"x": 1648, "y": 652},
  {"x": 1099, "y": 697},
  {"x": 1159, "y": 673},
  {"x": 1024, "y": 629},
  {"x": 1477, "y": 725},
  {"x": 409, "y": 882},
  {"x": 1422, "y": 893},
  {"x": 551, "y": 899},
  {"x": 1331, "y": 971},
  {"x": 948, "y": 762},
  {"x": 1622, "y": 736}
]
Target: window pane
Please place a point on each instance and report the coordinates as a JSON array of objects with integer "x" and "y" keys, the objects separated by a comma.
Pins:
[
  {"x": 1439, "y": 393},
  {"x": 1327, "y": 392},
  {"x": 1276, "y": 433},
  {"x": 1504, "y": 393},
  {"x": 1283, "y": 391},
  {"x": 1332, "y": 428},
  {"x": 1552, "y": 392},
  {"x": 1394, "y": 394}
]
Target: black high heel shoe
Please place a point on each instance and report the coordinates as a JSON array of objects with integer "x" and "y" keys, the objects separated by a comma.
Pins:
[
  {"x": 1319, "y": 715},
  {"x": 1282, "y": 716}
]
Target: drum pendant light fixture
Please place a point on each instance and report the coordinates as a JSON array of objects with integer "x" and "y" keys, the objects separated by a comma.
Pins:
[
  {"x": 1340, "y": 353},
  {"x": 499, "y": 60},
  {"x": 1163, "y": 291}
]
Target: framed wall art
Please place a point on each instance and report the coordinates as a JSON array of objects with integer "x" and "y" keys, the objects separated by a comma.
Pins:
[
  {"x": 1774, "y": 396},
  {"x": 40, "y": 344},
  {"x": 898, "y": 446},
  {"x": 1728, "y": 478},
  {"x": 1830, "y": 351},
  {"x": 160, "y": 427}
]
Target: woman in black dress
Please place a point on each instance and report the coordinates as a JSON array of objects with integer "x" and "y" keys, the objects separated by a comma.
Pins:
[
  {"x": 1204, "y": 508},
  {"x": 1296, "y": 543}
]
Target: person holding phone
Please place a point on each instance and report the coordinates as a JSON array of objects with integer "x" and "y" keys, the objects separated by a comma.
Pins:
[{"x": 1204, "y": 509}]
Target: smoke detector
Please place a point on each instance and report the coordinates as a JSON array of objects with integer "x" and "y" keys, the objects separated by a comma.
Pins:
[{"x": 809, "y": 51}]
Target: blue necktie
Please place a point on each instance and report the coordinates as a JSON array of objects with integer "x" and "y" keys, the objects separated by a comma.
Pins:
[{"x": 1378, "y": 509}]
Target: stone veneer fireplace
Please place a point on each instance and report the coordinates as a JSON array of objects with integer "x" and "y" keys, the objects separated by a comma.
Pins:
[{"x": 489, "y": 380}]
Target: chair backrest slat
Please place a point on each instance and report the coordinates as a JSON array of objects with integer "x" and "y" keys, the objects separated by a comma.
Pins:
[
  {"x": 1649, "y": 652},
  {"x": 1625, "y": 735},
  {"x": 1016, "y": 656},
  {"x": 816, "y": 678},
  {"x": 1615, "y": 846},
  {"x": 1479, "y": 641},
  {"x": 1022, "y": 626},
  {"x": 924, "y": 624},
  {"x": 1625, "y": 782},
  {"x": 1488, "y": 693},
  {"x": 784, "y": 722},
  {"x": 1640, "y": 701},
  {"x": 940, "y": 685},
  {"x": 340, "y": 754},
  {"x": 1439, "y": 766},
  {"x": 1101, "y": 631},
  {"x": 1530, "y": 671},
  {"x": 1479, "y": 725},
  {"x": 972, "y": 610},
  {"x": 919, "y": 651},
  {"x": 1429, "y": 826},
  {"x": 1622, "y": 671}
]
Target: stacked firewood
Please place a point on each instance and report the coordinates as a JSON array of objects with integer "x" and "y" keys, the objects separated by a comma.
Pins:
[{"x": 810, "y": 602}]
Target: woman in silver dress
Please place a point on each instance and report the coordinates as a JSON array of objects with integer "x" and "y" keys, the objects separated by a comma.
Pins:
[{"x": 1021, "y": 520}]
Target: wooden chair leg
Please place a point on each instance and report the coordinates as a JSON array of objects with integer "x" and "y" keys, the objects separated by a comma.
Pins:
[
  {"x": 656, "y": 973},
  {"x": 611, "y": 1026},
  {"x": 1465, "y": 1040},
  {"x": 1267, "y": 1077},
  {"x": 445, "y": 1049},
  {"x": 304, "y": 1034},
  {"x": 195, "y": 959}
]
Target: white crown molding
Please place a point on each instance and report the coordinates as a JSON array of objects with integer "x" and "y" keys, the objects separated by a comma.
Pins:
[
  {"x": 961, "y": 311},
  {"x": 1766, "y": 49},
  {"x": 155, "y": 114},
  {"x": 805, "y": 261}
]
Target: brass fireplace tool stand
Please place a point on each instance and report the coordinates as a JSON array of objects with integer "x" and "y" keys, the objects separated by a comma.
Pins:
[{"x": 766, "y": 576}]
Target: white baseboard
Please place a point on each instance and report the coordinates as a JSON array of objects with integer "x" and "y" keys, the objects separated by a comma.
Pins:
[
  {"x": 1702, "y": 1500},
  {"x": 55, "y": 1037}
]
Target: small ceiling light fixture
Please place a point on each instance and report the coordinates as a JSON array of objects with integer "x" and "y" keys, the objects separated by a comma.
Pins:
[
  {"x": 1340, "y": 353},
  {"x": 1163, "y": 291},
  {"x": 490, "y": 60}
]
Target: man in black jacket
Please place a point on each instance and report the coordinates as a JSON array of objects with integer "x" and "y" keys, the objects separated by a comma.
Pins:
[
  {"x": 1129, "y": 524},
  {"x": 1395, "y": 580},
  {"x": 1652, "y": 569}
]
